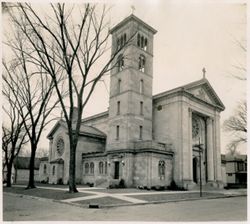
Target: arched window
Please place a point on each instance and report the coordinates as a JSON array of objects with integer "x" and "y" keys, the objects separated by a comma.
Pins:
[
  {"x": 142, "y": 62},
  {"x": 118, "y": 43},
  {"x": 161, "y": 168},
  {"x": 106, "y": 168},
  {"x": 92, "y": 167},
  {"x": 44, "y": 169},
  {"x": 141, "y": 86},
  {"x": 138, "y": 40},
  {"x": 86, "y": 168},
  {"x": 53, "y": 170},
  {"x": 119, "y": 85},
  {"x": 100, "y": 167},
  {"x": 145, "y": 44},
  {"x": 118, "y": 107},
  {"x": 140, "y": 132},
  {"x": 117, "y": 132},
  {"x": 120, "y": 62},
  {"x": 141, "y": 108},
  {"x": 142, "y": 42}
]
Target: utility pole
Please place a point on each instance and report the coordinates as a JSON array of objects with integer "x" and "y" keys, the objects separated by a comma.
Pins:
[
  {"x": 199, "y": 146},
  {"x": 200, "y": 168}
]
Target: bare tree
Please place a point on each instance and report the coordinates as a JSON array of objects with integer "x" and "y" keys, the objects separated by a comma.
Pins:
[
  {"x": 13, "y": 134},
  {"x": 70, "y": 42},
  {"x": 29, "y": 92},
  {"x": 237, "y": 125}
]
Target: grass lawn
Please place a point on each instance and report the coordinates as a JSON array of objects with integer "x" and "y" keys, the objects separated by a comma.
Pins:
[
  {"x": 103, "y": 201},
  {"x": 170, "y": 197},
  {"x": 44, "y": 193}
]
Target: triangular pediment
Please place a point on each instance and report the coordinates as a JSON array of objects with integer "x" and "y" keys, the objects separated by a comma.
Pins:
[
  {"x": 201, "y": 93},
  {"x": 58, "y": 124},
  {"x": 204, "y": 91}
]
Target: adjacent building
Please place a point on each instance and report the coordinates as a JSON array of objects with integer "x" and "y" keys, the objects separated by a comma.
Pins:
[{"x": 236, "y": 171}]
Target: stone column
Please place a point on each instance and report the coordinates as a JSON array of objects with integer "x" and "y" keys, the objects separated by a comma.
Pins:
[
  {"x": 190, "y": 143},
  {"x": 218, "y": 149},
  {"x": 210, "y": 156}
]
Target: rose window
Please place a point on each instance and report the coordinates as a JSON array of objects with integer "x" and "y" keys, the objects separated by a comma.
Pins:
[{"x": 195, "y": 128}]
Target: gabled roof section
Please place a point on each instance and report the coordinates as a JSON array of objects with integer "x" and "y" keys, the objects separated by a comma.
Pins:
[
  {"x": 96, "y": 116},
  {"x": 132, "y": 17},
  {"x": 84, "y": 130},
  {"x": 200, "y": 89}
]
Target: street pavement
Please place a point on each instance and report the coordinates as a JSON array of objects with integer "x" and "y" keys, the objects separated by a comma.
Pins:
[{"x": 20, "y": 208}]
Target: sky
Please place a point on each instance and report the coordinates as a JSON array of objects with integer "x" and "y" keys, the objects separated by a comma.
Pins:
[{"x": 190, "y": 36}]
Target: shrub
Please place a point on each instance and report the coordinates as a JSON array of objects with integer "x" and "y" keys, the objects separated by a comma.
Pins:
[
  {"x": 60, "y": 181},
  {"x": 174, "y": 187},
  {"x": 113, "y": 186},
  {"x": 122, "y": 184}
]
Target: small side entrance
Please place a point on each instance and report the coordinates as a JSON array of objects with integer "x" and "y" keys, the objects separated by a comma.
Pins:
[
  {"x": 195, "y": 179},
  {"x": 116, "y": 175}
]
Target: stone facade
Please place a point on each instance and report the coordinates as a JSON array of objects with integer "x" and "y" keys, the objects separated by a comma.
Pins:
[{"x": 142, "y": 139}]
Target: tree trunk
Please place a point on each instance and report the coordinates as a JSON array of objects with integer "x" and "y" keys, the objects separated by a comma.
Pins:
[
  {"x": 9, "y": 173},
  {"x": 31, "y": 183},
  {"x": 72, "y": 168}
]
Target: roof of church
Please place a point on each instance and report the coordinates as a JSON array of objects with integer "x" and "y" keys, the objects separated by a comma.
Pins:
[
  {"x": 202, "y": 82},
  {"x": 24, "y": 163},
  {"x": 96, "y": 116},
  {"x": 58, "y": 160},
  {"x": 133, "y": 17},
  {"x": 84, "y": 130}
]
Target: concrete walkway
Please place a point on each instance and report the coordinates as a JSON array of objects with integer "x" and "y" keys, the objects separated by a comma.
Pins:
[{"x": 124, "y": 196}]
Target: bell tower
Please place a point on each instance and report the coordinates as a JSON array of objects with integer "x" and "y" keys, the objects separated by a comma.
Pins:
[{"x": 130, "y": 102}]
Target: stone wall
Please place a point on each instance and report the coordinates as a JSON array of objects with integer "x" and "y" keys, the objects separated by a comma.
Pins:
[
  {"x": 95, "y": 178},
  {"x": 23, "y": 175},
  {"x": 146, "y": 171},
  {"x": 44, "y": 174}
]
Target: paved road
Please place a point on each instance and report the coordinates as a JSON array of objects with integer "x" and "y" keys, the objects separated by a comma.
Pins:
[{"x": 16, "y": 208}]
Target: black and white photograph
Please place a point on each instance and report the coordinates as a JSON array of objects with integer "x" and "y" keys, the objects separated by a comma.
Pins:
[{"x": 124, "y": 110}]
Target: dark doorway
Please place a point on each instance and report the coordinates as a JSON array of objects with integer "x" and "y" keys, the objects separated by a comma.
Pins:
[
  {"x": 195, "y": 170},
  {"x": 116, "y": 176}
]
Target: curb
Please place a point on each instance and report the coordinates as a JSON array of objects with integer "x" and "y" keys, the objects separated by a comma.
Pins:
[
  {"x": 171, "y": 201},
  {"x": 151, "y": 202}
]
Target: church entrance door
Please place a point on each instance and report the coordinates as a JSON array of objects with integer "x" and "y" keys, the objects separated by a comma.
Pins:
[
  {"x": 116, "y": 176},
  {"x": 195, "y": 170}
]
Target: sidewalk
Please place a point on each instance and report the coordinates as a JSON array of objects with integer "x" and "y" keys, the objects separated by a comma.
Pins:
[{"x": 100, "y": 197}]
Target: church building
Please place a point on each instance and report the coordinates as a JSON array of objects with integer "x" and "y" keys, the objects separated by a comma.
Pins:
[{"x": 143, "y": 139}]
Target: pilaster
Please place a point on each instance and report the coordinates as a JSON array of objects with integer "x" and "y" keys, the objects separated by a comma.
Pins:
[
  {"x": 210, "y": 149},
  {"x": 50, "y": 148}
]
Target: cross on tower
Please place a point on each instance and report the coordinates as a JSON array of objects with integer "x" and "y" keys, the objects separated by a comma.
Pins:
[
  {"x": 132, "y": 8},
  {"x": 204, "y": 73}
]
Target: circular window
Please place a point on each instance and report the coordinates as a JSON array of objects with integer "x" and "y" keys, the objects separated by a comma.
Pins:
[
  {"x": 60, "y": 146},
  {"x": 159, "y": 107},
  {"x": 195, "y": 128}
]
